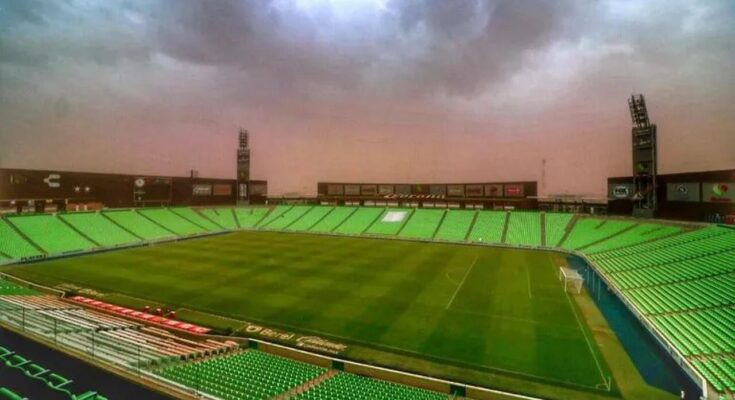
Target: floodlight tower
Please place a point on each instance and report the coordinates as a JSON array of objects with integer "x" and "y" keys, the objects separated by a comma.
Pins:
[
  {"x": 645, "y": 160},
  {"x": 243, "y": 165}
]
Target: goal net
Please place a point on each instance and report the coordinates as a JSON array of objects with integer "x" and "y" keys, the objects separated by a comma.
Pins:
[{"x": 571, "y": 278}]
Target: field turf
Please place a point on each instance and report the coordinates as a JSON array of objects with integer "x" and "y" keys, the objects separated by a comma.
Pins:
[{"x": 494, "y": 310}]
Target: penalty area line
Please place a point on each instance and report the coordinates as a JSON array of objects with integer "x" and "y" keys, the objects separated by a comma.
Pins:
[{"x": 456, "y": 291}]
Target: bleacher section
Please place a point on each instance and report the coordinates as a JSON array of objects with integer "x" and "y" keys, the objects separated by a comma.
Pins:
[
  {"x": 103, "y": 336},
  {"x": 422, "y": 224},
  {"x": 638, "y": 234},
  {"x": 345, "y": 386},
  {"x": 310, "y": 218},
  {"x": 333, "y": 219},
  {"x": 718, "y": 370},
  {"x": 99, "y": 229},
  {"x": 250, "y": 217},
  {"x": 555, "y": 226},
  {"x": 287, "y": 218},
  {"x": 359, "y": 221},
  {"x": 274, "y": 214},
  {"x": 591, "y": 230},
  {"x": 524, "y": 228},
  {"x": 171, "y": 221},
  {"x": 52, "y": 234},
  {"x": 138, "y": 224},
  {"x": 14, "y": 366},
  {"x": 194, "y": 217},
  {"x": 455, "y": 225},
  {"x": 390, "y": 222},
  {"x": 249, "y": 374},
  {"x": 489, "y": 226},
  {"x": 13, "y": 244},
  {"x": 223, "y": 217}
]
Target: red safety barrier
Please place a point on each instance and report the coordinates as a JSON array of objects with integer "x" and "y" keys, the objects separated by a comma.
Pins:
[{"x": 140, "y": 316}]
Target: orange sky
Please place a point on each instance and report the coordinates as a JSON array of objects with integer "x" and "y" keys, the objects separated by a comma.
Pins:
[{"x": 366, "y": 90}]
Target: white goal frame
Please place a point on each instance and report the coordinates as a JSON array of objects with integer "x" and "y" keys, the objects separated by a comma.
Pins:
[{"x": 569, "y": 275}]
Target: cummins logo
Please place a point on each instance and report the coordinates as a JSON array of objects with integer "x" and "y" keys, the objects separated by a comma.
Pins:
[{"x": 53, "y": 180}]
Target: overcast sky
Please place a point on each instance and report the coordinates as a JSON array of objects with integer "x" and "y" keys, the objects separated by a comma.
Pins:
[{"x": 366, "y": 90}]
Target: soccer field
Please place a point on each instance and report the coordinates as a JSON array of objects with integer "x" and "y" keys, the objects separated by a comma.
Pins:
[{"x": 498, "y": 311}]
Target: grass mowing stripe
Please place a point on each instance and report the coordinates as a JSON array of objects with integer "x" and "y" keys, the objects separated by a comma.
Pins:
[{"x": 461, "y": 283}]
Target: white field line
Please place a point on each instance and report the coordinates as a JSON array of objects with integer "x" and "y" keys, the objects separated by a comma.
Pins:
[
  {"x": 589, "y": 344},
  {"x": 528, "y": 279},
  {"x": 456, "y": 291}
]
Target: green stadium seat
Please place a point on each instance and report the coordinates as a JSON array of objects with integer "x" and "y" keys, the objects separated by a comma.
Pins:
[
  {"x": 196, "y": 218},
  {"x": 100, "y": 229},
  {"x": 524, "y": 228},
  {"x": 250, "y": 217},
  {"x": 7, "y": 394},
  {"x": 13, "y": 244},
  {"x": 344, "y": 386},
  {"x": 555, "y": 226},
  {"x": 590, "y": 230},
  {"x": 422, "y": 224},
  {"x": 489, "y": 226},
  {"x": 390, "y": 222},
  {"x": 224, "y": 217},
  {"x": 337, "y": 216},
  {"x": 272, "y": 215},
  {"x": 139, "y": 225},
  {"x": 359, "y": 221},
  {"x": 172, "y": 221},
  {"x": 311, "y": 218},
  {"x": 51, "y": 233},
  {"x": 285, "y": 219},
  {"x": 455, "y": 225},
  {"x": 246, "y": 375}
]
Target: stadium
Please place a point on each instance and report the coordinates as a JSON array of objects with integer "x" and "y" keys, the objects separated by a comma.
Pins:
[{"x": 368, "y": 284}]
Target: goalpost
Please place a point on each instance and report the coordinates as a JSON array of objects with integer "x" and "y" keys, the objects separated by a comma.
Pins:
[{"x": 570, "y": 276}]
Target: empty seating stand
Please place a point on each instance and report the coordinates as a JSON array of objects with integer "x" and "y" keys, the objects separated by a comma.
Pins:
[
  {"x": 172, "y": 221},
  {"x": 489, "y": 226},
  {"x": 524, "y": 228},
  {"x": 455, "y": 225},
  {"x": 390, "y": 222},
  {"x": 344, "y": 386},
  {"x": 196, "y": 218},
  {"x": 314, "y": 215},
  {"x": 18, "y": 367},
  {"x": 332, "y": 220},
  {"x": 285, "y": 219},
  {"x": 555, "y": 226},
  {"x": 249, "y": 374},
  {"x": 638, "y": 234},
  {"x": 590, "y": 230},
  {"x": 139, "y": 225},
  {"x": 224, "y": 217},
  {"x": 51, "y": 233},
  {"x": 250, "y": 217},
  {"x": 359, "y": 221},
  {"x": 13, "y": 244},
  {"x": 422, "y": 224},
  {"x": 100, "y": 229}
]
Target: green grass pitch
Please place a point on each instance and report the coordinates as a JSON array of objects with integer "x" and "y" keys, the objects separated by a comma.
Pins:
[{"x": 500, "y": 311}]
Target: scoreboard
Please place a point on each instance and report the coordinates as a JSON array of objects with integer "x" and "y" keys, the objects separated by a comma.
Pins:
[{"x": 152, "y": 190}]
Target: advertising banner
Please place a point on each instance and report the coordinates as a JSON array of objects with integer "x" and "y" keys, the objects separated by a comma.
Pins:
[
  {"x": 455, "y": 190},
  {"x": 439, "y": 190},
  {"x": 352, "y": 190},
  {"x": 620, "y": 190},
  {"x": 202, "y": 190},
  {"x": 718, "y": 192},
  {"x": 369, "y": 190},
  {"x": 335, "y": 190},
  {"x": 513, "y": 190},
  {"x": 688, "y": 191},
  {"x": 385, "y": 189},
  {"x": 473, "y": 190},
  {"x": 494, "y": 190},
  {"x": 222, "y": 190}
]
